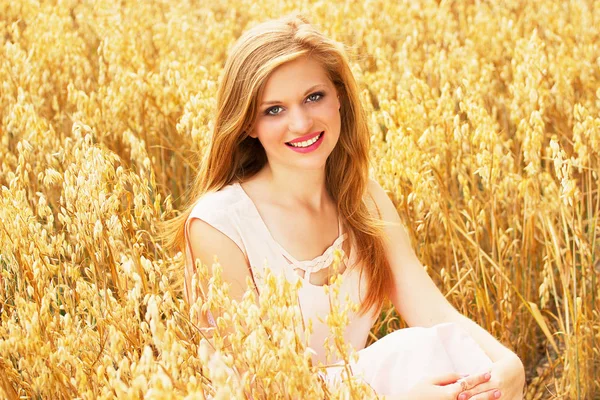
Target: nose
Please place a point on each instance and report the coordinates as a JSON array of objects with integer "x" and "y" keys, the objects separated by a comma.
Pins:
[{"x": 300, "y": 120}]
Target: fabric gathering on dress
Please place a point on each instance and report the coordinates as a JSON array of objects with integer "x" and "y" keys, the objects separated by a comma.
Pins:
[{"x": 391, "y": 365}]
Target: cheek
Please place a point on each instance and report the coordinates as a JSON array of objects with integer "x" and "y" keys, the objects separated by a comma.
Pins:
[
  {"x": 331, "y": 114},
  {"x": 269, "y": 128}
]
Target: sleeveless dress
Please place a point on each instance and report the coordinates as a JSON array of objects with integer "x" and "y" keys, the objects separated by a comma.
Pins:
[{"x": 394, "y": 363}]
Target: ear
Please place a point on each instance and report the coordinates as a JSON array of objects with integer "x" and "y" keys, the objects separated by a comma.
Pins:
[{"x": 250, "y": 132}]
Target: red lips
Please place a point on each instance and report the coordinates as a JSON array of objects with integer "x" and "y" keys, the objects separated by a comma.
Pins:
[{"x": 305, "y": 137}]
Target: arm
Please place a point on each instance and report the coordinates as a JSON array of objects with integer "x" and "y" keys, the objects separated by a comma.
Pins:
[
  {"x": 206, "y": 242},
  {"x": 412, "y": 285}
]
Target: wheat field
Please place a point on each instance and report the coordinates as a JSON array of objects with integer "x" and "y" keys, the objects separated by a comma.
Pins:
[{"x": 485, "y": 123}]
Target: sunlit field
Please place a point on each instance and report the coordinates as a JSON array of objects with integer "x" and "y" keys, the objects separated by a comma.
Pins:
[{"x": 485, "y": 129}]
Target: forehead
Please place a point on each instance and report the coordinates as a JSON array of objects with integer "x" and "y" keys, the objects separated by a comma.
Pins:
[{"x": 293, "y": 78}]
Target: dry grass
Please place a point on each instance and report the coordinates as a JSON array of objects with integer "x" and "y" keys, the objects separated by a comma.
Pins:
[{"x": 486, "y": 135}]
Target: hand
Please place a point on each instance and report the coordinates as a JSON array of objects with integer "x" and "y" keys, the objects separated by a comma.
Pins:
[
  {"x": 507, "y": 379},
  {"x": 445, "y": 387}
]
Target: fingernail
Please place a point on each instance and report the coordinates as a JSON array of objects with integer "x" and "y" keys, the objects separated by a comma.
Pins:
[
  {"x": 487, "y": 376},
  {"x": 464, "y": 375},
  {"x": 462, "y": 397},
  {"x": 497, "y": 394}
]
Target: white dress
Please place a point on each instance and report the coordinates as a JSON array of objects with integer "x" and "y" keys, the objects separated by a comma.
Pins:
[{"x": 393, "y": 364}]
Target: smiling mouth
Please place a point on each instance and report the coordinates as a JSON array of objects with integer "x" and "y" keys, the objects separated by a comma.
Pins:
[{"x": 306, "y": 143}]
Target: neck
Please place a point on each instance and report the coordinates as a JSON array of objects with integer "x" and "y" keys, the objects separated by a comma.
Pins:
[{"x": 298, "y": 189}]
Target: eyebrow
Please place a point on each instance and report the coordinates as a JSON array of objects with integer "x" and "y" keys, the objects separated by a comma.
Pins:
[{"x": 310, "y": 89}]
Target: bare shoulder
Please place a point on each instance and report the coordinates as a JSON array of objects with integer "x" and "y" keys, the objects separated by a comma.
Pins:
[
  {"x": 380, "y": 204},
  {"x": 375, "y": 190},
  {"x": 206, "y": 242}
]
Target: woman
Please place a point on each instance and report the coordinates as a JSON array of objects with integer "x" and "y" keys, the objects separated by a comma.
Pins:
[{"x": 285, "y": 180}]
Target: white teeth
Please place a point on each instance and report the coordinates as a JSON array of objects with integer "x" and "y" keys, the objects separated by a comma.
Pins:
[{"x": 307, "y": 143}]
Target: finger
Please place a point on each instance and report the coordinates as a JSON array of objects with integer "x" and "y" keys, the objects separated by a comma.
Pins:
[
  {"x": 471, "y": 393},
  {"x": 471, "y": 381},
  {"x": 453, "y": 390},
  {"x": 469, "y": 386},
  {"x": 445, "y": 379},
  {"x": 493, "y": 394}
]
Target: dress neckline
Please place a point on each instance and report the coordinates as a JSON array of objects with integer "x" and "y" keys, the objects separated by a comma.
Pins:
[{"x": 314, "y": 265}]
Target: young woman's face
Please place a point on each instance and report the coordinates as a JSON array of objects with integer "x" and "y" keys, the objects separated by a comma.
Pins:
[{"x": 298, "y": 121}]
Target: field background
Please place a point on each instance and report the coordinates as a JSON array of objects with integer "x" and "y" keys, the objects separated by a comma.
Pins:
[{"x": 486, "y": 134}]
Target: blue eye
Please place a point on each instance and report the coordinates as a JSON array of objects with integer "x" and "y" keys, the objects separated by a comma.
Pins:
[
  {"x": 315, "y": 96},
  {"x": 269, "y": 111}
]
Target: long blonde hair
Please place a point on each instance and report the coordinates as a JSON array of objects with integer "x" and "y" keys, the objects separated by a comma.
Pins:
[{"x": 234, "y": 156}]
